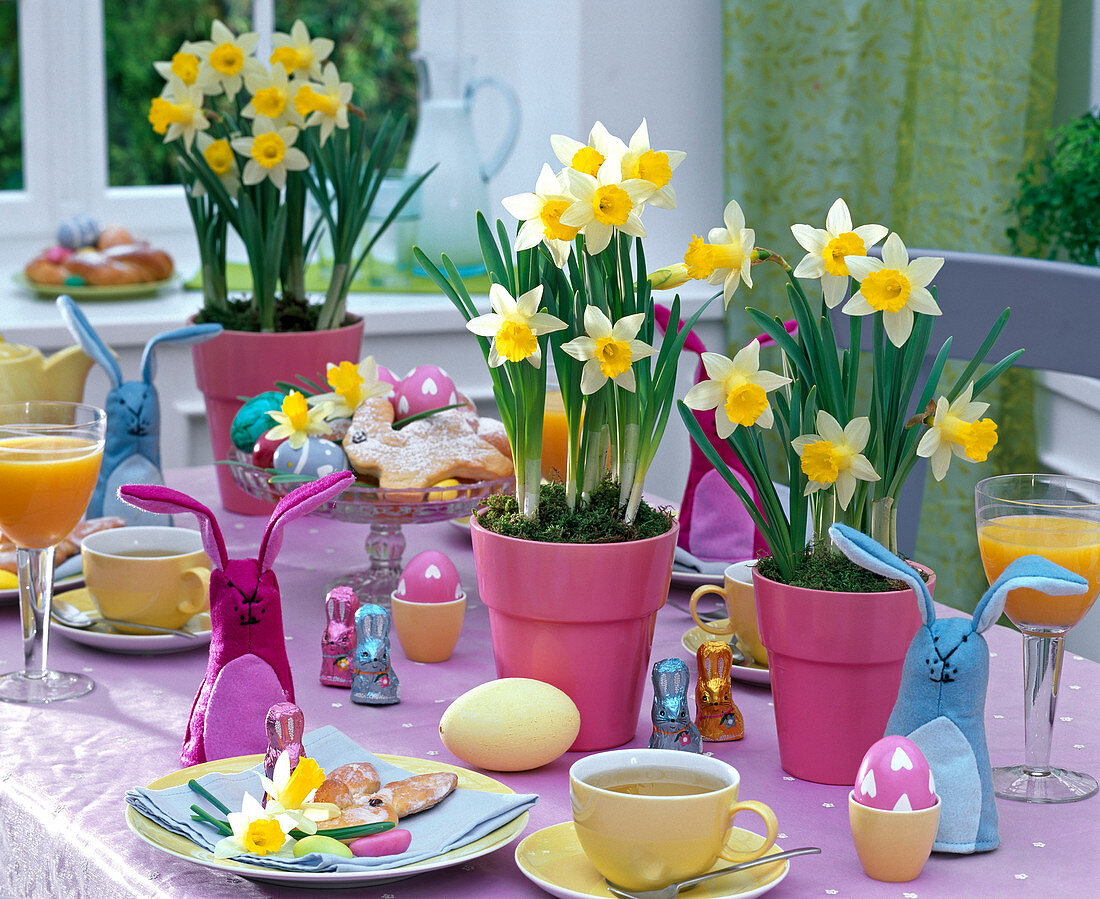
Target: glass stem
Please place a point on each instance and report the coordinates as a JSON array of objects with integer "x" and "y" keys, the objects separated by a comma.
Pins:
[
  {"x": 35, "y": 593},
  {"x": 1042, "y": 668}
]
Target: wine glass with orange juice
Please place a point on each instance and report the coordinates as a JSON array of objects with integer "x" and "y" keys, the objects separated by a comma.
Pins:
[
  {"x": 1058, "y": 518},
  {"x": 50, "y": 455}
]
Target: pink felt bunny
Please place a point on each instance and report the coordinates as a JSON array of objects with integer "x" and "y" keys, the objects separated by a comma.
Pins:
[{"x": 248, "y": 671}]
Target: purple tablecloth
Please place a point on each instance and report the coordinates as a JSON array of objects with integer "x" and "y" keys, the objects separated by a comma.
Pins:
[{"x": 64, "y": 768}]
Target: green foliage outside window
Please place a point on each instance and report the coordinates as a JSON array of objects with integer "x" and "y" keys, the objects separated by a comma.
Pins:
[{"x": 11, "y": 131}]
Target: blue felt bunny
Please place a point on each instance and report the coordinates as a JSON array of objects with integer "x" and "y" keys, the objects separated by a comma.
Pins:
[
  {"x": 132, "y": 452},
  {"x": 941, "y": 703}
]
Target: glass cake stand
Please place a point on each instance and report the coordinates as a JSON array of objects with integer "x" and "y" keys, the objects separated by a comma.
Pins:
[{"x": 385, "y": 509}]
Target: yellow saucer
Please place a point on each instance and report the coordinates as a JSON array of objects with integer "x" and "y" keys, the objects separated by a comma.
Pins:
[
  {"x": 748, "y": 672},
  {"x": 552, "y": 859}
]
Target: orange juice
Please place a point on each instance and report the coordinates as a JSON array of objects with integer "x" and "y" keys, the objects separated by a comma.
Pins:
[
  {"x": 555, "y": 436},
  {"x": 1073, "y": 543},
  {"x": 45, "y": 485}
]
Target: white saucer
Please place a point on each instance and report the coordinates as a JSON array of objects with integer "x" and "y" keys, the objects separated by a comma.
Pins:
[
  {"x": 66, "y": 576},
  {"x": 130, "y": 644},
  {"x": 552, "y": 859},
  {"x": 748, "y": 673}
]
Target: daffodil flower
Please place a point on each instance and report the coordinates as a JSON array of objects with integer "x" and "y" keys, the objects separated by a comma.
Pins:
[
  {"x": 297, "y": 420},
  {"x": 270, "y": 153},
  {"x": 272, "y": 98},
  {"x": 957, "y": 430},
  {"x": 736, "y": 389},
  {"x": 255, "y": 832},
  {"x": 290, "y": 794},
  {"x": 894, "y": 286},
  {"x": 828, "y": 249},
  {"x": 541, "y": 214},
  {"x": 351, "y": 385},
  {"x": 184, "y": 65},
  {"x": 515, "y": 326},
  {"x": 726, "y": 256},
  {"x": 669, "y": 277},
  {"x": 834, "y": 455},
  {"x": 178, "y": 112},
  {"x": 226, "y": 60},
  {"x": 297, "y": 53},
  {"x": 587, "y": 158},
  {"x": 608, "y": 351},
  {"x": 222, "y": 161},
  {"x": 326, "y": 103},
  {"x": 655, "y": 166},
  {"x": 605, "y": 204}
]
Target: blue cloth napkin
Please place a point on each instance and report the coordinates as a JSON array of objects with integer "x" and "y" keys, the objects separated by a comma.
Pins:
[{"x": 463, "y": 817}]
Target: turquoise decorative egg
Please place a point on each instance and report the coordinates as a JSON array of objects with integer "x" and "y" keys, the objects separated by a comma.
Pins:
[
  {"x": 313, "y": 459},
  {"x": 252, "y": 420},
  {"x": 78, "y": 231}
]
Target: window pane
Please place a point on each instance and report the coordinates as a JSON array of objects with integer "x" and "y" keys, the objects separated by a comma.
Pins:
[
  {"x": 138, "y": 33},
  {"x": 373, "y": 43},
  {"x": 11, "y": 127}
]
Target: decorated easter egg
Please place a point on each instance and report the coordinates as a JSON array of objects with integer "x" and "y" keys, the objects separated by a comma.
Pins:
[
  {"x": 252, "y": 420},
  {"x": 512, "y": 724},
  {"x": 895, "y": 776},
  {"x": 425, "y": 387},
  {"x": 313, "y": 459},
  {"x": 78, "y": 231},
  {"x": 263, "y": 451},
  {"x": 429, "y": 577},
  {"x": 384, "y": 374},
  {"x": 445, "y": 495},
  {"x": 58, "y": 254}
]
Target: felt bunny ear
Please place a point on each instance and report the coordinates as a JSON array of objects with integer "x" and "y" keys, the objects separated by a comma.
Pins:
[
  {"x": 186, "y": 336},
  {"x": 300, "y": 501},
  {"x": 156, "y": 498},
  {"x": 1033, "y": 573},
  {"x": 89, "y": 340},
  {"x": 873, "y": 556}
]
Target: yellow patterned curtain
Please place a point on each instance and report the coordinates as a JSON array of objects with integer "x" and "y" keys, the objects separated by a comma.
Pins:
[{"x": 919, "y": 113}]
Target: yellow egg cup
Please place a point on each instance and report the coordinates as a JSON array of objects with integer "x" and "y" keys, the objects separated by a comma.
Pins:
[
  {"x": 893, "y": 846},
  {"x": 428, "y": 631}
]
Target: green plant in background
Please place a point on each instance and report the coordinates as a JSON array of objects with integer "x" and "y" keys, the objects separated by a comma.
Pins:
[
  {"x": 11, "y": 140},
  {"x": 1059, "y": 199}
]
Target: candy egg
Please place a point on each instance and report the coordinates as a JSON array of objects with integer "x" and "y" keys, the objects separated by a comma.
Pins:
[
  {"x": 425, "y": 387},
  {"x": 429, "y": 577},
  {"x": 389, "y": 842},
  {"x": 320, "y": 843},
  {"x": 263, "y": 451},
  {"x": 252, "y": 421},
  {"x": 313, "y": 459},
  {"x": 58, "y": 254},
  {"x": 384, "y": 374},
  {"x": 895, "y": 776},
  {"x": 78, "y": 231}
]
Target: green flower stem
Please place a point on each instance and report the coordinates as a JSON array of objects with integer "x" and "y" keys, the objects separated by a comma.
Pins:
[{"x": 294, "y": 257}]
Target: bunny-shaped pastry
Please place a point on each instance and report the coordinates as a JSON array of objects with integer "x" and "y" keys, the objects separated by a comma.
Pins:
[
  {"x": 286, "y": 725},
  {"x": 941, "y": 703},
  {"x": 338, "y": 640},
  {"x": 716, "y": 714},
  {"x": 374, "y": 681},
  {"x": 671, "y": 717},
  {"x": 247, "y": 671},
  {"x": 132, "y": 451}
]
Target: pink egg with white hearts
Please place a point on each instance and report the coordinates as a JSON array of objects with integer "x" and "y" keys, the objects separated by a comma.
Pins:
[
  {"x": 387, "y": 376},
  {"x": 315, "y": 458},
  {"x": 425, "y": 387},
  {"x": 429, "y": 577},
  {"x": 894, "y": 776}
]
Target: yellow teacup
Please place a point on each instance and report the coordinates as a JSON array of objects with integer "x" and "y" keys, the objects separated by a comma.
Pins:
[
  {"x": 648, "y": 817},
  {"x": 148, "y": 575},
  {"x": 740, "y": 599}
]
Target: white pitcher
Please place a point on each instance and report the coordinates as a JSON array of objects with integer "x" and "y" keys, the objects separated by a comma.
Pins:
[{"x": 453, "y": 193}]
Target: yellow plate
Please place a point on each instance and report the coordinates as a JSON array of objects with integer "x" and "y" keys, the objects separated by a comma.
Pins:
[
  {"x": 553, "y": 859},
  {"x": 750, "y": 673},
  {"x": 181, "y": 847},
  {"x": 95, "y": 292}
]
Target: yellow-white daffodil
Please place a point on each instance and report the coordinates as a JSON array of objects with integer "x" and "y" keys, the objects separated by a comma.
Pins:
[
  {"x": 351, "y": 385},
  {"x": 297, "y": 420},
  {"x": 222, "y": 160},
  {"x": 655, "y": 166},
  {"x": 541, "y": 214},
  {"x": 184, "y": 65},
  {"x": 827, "y": 249},
  {"x": 726, "y": 256},
  {"x": 326, "y": 103},
  {"x": 515, "y": 326},
  {"x": 605, "y": 204},
  {"x": 736, "y": 389},
  {"x": 834, "y": 455},
  {"x": 894, "y": 286},
  {"x": 957, "y": 429},
  {"x": 297, "y": 54},
  {"x": 226, "y": 60},
  {"x": 290, "y": 794},
  {"x": 255, "y": 832},
  {"x": 272, "y": 98},
  {"x": 587, "y": 158},
  {"x": 608, "y": 351},
  {"x": 270, "y": 153},
  {"x": 178, "y": 112}
]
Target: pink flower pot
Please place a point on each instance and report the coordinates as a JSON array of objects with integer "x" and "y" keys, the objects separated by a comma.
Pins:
[
  {"x": 579, "y": 617},
  {"x": 835, "y": 661},
  {"x": 239, "y": 364}
]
